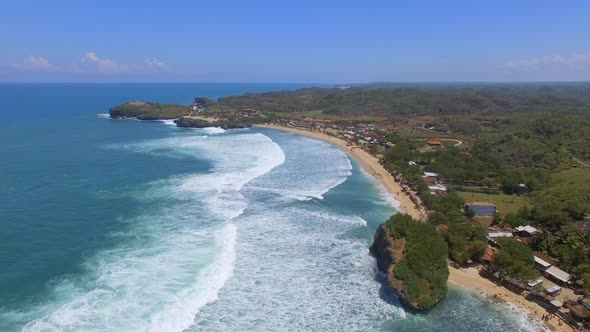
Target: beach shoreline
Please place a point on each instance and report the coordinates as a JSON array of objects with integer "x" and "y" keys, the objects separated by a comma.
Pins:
[
  {"x": 467, "y": 278},
  {"x": 368, "y": 163}
]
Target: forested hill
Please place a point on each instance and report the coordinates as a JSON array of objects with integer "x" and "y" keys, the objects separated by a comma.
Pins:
[{"x": 428, "y": 99}]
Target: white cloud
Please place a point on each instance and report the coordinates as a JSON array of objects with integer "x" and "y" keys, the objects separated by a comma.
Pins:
[
  {"x": 554, "y": 62},
  {"x": 154, "y": 64},
  {"x": 103, "y": 64},
  {"x": 37, "y": 63}
]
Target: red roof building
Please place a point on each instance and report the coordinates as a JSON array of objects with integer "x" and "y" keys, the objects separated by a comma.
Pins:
[{"x": 434, "y": 142}]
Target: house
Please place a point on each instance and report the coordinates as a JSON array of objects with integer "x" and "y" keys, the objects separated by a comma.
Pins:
[
  {"x": 526, "y": 231},
  {"x": 555, "y": 290},
  {"x": 434, "y": 143},
  {"x": 558, "y": 275},
  {"x": 541, "y": 264},
  {"x": 481, "y": 209}
]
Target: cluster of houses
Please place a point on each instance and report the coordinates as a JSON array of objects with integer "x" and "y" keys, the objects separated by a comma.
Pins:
[
  {"x": 359, "y": 133},
  {"x": 548, "y": 290}
]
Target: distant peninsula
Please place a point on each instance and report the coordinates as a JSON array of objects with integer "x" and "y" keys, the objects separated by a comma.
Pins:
[
  {"x": 149, "y": 111},
  {"x": 183, "y": 116}
]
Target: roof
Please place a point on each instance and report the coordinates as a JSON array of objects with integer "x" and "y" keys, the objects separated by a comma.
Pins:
[
  {"x": 553, "y": 289},
  {"x": 488, "y": 254},
  {"x": 437, "y": 187},
  {"x": 480, "y": 204},
  {"x": 430, "y": 174},
  {"x": 556, "y": 303},
  {"x": 434, "y": 142},
  {"x": 542, "y": 262},
  {"x": 527, "y": 228},
  {"x": 534, "y": 283},
  {"x": 559, "y": 274},
  {"x": 493, "y": 235}
]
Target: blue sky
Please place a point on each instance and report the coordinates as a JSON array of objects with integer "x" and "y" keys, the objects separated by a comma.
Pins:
[{"x": 294, "y": 41}]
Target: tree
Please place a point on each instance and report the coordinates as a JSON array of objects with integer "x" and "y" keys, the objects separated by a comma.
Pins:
[
  {"x": 465, "y": 241},
  {"x": 516, "y": 260}
]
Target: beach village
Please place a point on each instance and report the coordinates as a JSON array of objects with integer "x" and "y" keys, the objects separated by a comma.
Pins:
[{"x": 554, "y": 296}]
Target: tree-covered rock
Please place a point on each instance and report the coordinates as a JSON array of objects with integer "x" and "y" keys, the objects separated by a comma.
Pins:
[{"x": 414, "y": 257}]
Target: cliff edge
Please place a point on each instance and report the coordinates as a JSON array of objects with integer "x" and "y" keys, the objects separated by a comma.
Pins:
[{"x": 414, "y": 258}]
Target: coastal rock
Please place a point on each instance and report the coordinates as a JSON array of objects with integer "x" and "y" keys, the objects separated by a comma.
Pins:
[
  {"x": 414, "y": 258},
  {"x": 386, "y": 249}
]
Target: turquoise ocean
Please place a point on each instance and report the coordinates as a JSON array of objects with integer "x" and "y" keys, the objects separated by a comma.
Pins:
[{"x": 124, "y": 225}]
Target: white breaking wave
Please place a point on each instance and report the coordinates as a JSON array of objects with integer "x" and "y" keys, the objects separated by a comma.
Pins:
[
  {"x": 214, "y": 130},
  {"x": 175, "y": 258},
  {"x": 168, "y": 122},
  {"x": 103, "y": 116},
  {"x": 312, "y": 168}
]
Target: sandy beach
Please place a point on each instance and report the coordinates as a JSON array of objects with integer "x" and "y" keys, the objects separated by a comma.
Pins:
[
  {"x": 369, "y": 164},
  {"x": 468, "y": 278}
]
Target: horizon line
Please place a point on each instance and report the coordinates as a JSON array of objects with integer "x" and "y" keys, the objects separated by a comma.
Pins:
[{"x": 297, "y": 83}]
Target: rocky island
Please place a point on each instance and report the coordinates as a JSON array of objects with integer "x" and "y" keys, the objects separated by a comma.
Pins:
[{"x": 413, "y": 255}]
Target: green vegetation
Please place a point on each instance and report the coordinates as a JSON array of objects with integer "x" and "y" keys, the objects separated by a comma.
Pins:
[
  {"x": 465, "y": 241},
  {"x": 515, "y": 259},
  {"x": 423, "y": 270},
  {"x": 422, "y": 100},
  {"x": 149, "y": 111}
]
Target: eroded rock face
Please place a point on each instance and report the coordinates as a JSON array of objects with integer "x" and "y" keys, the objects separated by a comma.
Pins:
[
  {"x": 388, "y": 251},
  {"x": 382, "y": 248}
]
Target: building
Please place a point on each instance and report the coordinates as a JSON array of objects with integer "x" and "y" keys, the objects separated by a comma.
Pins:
[
  {"x": 481, "y": 209},
  {"x": 498, "y": 235},
  {"x": 526, "y": 231},
  {"x": 552, "y": 272},
  {"x": 437, "y": 189},
  {"x": 541, "y": 264},
  {"x": 434, "y": 142},
  {"x": 558, "y": 275}
]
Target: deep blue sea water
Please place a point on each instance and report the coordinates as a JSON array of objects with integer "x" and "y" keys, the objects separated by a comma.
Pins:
[{"x": 123, "y": 225}]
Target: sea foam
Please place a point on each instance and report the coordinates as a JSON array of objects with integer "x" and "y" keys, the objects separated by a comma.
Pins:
[{"x": 175, "y": 256}]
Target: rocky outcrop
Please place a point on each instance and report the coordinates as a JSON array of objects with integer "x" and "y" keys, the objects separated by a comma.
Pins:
[
  {"x": 413, "y": 255},
  {"x": 387, "y": 251}
]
